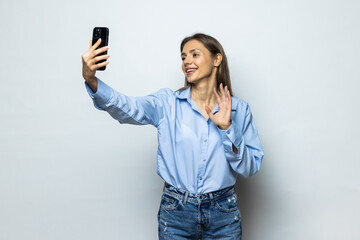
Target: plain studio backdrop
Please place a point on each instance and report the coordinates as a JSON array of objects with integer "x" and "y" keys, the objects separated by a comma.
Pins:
[{"x": 69, "y": 171}]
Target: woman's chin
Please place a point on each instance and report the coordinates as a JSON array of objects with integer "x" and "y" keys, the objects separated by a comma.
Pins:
[{"x": 192, "y": 80}]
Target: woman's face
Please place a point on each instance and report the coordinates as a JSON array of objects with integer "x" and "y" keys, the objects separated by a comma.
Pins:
[{"x": 198, "y": 64}]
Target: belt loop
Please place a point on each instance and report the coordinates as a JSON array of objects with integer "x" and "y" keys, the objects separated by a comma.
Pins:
[
  {"x": 212, "y": 199},
  {"x": 185, "y": 197}
]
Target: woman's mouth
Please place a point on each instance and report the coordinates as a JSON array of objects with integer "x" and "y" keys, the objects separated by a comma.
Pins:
[{"x": 190, "y": 70}]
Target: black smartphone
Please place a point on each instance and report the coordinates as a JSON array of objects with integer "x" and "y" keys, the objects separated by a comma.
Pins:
[{"x": 103, "y": 33}]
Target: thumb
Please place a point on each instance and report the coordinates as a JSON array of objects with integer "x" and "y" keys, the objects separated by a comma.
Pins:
[{"x": 208, "y": 111}]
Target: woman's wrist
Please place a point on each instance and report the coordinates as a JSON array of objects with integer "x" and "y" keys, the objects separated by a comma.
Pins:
[
  {"x": 91, "y": 79},
  {"x": 93, "y": 83},
  {"x": 224, "y": 126}
]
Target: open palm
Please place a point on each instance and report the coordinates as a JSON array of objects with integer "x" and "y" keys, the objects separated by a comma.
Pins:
[{"x": 223, "y": 116}]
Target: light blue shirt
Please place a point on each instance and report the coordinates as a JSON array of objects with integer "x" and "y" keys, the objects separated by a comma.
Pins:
[{"x": 193, "y": 153}]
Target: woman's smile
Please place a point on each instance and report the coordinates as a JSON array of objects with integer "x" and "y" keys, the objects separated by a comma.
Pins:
[{"x": 190, "y": 71}]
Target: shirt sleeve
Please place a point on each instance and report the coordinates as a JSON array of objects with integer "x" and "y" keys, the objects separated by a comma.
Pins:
[
  {"x": 126, "y": 109},
  {"x": 243, "y": 135}
]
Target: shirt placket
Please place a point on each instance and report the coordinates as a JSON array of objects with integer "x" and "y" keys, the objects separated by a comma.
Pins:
[{"x": 204, "y": 154}]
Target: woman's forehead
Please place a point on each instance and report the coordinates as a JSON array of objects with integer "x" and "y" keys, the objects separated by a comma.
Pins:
[{"x": 193, "y": 45}]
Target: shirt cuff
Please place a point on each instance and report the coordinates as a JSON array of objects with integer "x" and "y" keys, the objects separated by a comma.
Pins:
[
  {"x": 102, "y": 96},
  {"x": 231, "y": 136}
]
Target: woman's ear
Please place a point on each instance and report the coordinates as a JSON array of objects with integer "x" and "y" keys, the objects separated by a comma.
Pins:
[{"x": 217, "y": 60}]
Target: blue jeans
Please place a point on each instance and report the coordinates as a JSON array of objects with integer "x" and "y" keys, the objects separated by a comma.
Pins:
[{"x": 184, "y": 215}]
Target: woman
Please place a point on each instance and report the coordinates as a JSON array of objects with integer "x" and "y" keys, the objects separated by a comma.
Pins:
[{"x": 206, "y": 138}]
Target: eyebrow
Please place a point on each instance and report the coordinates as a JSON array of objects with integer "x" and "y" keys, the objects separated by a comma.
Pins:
[{"x": 192, "y": 50}]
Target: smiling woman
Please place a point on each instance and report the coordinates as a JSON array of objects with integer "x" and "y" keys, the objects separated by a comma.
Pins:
[
  {"x": 206, "y": 139},
  {"x": 214, "y": 48}
]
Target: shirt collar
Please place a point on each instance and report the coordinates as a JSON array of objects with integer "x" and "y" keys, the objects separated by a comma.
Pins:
[{"x": 185, "y": 94}]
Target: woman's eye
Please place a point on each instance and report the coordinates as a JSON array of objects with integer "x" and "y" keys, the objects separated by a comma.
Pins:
[
  {"x": 183, "y": 58},
  {"x": 196, "y": 54}
]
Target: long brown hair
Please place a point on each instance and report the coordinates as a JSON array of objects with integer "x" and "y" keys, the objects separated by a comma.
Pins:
[{"x": 214, "y": 47}]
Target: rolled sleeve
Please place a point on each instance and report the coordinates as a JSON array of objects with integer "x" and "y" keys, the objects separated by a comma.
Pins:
[
  {"x": 102, "y": 95},
  {"x": 230, "y": 136}
]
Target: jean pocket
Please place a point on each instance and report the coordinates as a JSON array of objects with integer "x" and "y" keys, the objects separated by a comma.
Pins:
[
  {"x": 227, "y": 204},
  {"x": 169, "y": 202}
]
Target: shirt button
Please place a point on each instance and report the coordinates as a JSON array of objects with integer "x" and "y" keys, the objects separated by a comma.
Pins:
[
  {"x": 204, "y": 160},
  {"x": 201, "y": 178},
  {"x": 205, "y": 140}
]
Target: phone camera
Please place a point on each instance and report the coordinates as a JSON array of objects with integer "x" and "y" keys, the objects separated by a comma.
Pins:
[{"x": 97, "y": 32}]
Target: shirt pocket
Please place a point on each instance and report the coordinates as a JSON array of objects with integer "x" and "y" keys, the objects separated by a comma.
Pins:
[{"x": 227, "y": 204}]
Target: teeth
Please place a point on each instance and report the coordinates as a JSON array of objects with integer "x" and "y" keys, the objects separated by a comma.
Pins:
[{"x": 190, "y": 70}]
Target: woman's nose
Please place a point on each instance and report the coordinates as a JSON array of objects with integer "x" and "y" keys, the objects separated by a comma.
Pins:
[{"x": 187, "y": 61}]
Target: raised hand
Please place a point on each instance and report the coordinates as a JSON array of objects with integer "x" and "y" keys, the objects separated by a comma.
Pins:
[
  {"x": 223, "y": 116},
  {"x": 90, "y": 65}
]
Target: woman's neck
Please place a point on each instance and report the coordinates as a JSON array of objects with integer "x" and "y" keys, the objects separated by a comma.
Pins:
[{"x": 202, "y": 93}]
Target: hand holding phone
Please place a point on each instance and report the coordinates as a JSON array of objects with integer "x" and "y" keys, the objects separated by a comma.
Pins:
[
  {"x": 103, "y": 33},
  {"x": 95, "y": 58}
]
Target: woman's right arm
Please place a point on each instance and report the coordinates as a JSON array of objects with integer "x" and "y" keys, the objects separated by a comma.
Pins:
[
  {"x": 149, "y": 109},
  {"x": 90, "y": 65},
  {"x": 133, "y": 110}
]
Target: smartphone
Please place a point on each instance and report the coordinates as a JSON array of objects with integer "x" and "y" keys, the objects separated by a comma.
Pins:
[{"x": 103, "y": 33}]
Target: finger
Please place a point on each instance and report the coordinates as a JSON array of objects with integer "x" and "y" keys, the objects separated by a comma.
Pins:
[
  {"x": 101, "y": 50},
  {"x": 209, "y": 112},
  {"x": 230, "y": 100},
  {"x": 100, "y": 58},
  {"x": 217, "y": 96},
  {"x": 93, "y": 47},
  {"x": 222, "y": 92},
  {"x": 99, "y": 65},
  {"x": 226, "y": 94},
  {"x": 90, "y": 52}
]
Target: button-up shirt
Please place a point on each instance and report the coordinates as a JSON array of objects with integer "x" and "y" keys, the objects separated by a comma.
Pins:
[{"x": 193, "y": 153}]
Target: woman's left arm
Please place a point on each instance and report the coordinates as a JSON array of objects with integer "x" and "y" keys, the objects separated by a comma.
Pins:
[
  {"x": 239, "y": 135},
  {"x": 242, "y": 144}
]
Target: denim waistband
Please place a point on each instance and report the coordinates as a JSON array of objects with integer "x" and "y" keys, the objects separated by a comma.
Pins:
[{"x": 185, "y": 196}]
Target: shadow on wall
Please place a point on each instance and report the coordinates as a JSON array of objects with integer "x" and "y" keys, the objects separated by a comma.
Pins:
[{"x": 251, "y": 199}]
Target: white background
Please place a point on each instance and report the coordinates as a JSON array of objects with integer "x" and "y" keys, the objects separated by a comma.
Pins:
[{"x": 69, "y": 171}]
